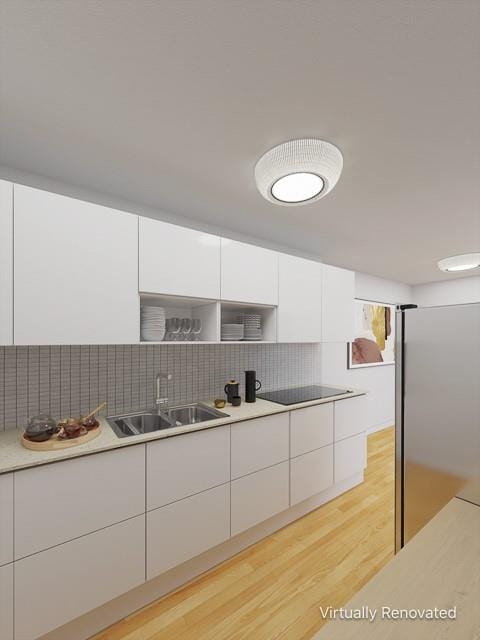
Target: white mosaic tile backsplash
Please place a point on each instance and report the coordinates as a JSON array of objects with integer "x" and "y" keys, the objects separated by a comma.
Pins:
[{"x": 71, "y": 380}]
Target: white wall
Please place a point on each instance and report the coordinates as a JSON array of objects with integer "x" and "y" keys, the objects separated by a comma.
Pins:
[
  {"x": 378, "y": 381},
  {"x": 459, "y": 291}
]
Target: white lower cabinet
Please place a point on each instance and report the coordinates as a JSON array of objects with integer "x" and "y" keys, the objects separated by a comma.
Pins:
[
  {"x": 311, "y": 428},
  {"x": 350, "y": 417},
  {"x": 6, "y": 602},
  {"x": 259, "y": 443},
  {"x": 259, "y": 496},
  {"x": 350, "y": 457},
  {"x": 6, "y": 518},
  {"x": 58, "y": 502},
  {"x": 58, "y": 585},
  {"x": 310, "y": 474},
  {"x": 184, "y": 529},
  {"x": 181, "y": 466}
]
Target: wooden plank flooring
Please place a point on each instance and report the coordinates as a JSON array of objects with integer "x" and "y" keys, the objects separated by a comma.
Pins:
[{"x": 273, "y": 590}]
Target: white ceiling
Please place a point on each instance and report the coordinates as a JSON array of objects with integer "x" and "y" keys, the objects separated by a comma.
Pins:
[{"x": 169, "y": 103}]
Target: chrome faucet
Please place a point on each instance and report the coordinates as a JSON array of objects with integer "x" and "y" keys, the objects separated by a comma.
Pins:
[{"x": 161, "y": 403}]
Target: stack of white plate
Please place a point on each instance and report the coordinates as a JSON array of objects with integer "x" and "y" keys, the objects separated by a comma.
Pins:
[
  {"x": 253, "y": 326},
  {"x": 152, "y": 323},
  {"x": 232, "y": 331}
]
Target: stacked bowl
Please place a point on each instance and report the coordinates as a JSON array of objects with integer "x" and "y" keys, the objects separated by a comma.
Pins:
[
  {"x": 253, "y": 326},
  {"x": 152, "y": 323}
]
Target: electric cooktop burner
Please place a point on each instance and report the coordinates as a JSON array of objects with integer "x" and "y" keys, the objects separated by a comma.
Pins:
[{"x": 301, "y": 394}]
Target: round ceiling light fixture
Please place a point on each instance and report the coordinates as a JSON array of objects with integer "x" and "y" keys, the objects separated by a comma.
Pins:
[
  {"x": 298, "y": 172},
  {"x": 464, "y": 262}
]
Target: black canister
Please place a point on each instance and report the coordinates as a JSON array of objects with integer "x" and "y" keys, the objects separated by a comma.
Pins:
[{"x": 252, "y": 385}]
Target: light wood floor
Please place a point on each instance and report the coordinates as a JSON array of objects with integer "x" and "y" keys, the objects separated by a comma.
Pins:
[{"x": 273, "y": 590}]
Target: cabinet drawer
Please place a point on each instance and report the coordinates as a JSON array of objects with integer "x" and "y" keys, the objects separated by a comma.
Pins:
[
  {"x": 350, "y": 417},
  {"x": 6, "y": 602},
  {"x": 61, "y": 501},
  {"x": 184, "y": 465},
  {"x": 6, "y": 518},
  {"x": 186, "y": 528},
  {"x": 310, "y": 474},
  {"x": 259, "y": 496},
  {"x": 60, "y": 584},
  {"x": 311, "y": 428},
  {"x": 259, "y": 443},
  {"x": 350, "y": 457}
]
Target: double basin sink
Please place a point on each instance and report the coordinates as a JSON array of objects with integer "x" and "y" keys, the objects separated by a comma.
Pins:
[{"x": 135, "y": 424}]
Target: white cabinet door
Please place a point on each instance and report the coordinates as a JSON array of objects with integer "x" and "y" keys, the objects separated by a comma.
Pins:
[
  {"x": 178, "y": 261},
  {"x": 259, "y": 443},
  {"x": 350, "y": 457},
  {"x": 181, "y": 466},
  {"x": 6, "y": 262},
  {"x": 6, "y": 518},
  {"x": 338, "y": 293},
  {"x": 350, "y": 417},
  {"x": 58, "y": 502},
  {"x": 249, "y": 273},
  {"x": 75, "y": 271},
  {"x": 184, "y": 529},
  {"x": 311, "y": 428},
  {"x": 299, "y": 299},
  {"x": 310, "y": 474},
  {"x": 259, "y": 496},
  {"x": 6, "y": 602},
  {"x": 58, "y": 585}
]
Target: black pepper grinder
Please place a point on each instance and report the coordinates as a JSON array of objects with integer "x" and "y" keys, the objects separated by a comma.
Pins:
[{"x": 252, "y": 385}]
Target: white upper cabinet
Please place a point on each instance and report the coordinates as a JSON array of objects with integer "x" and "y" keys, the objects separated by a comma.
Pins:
[
  {"x": 178, "y": 261},
  {"x": 6, "y": 262},
  {"x": 249, "y": 273},
  {"x": 75, "y": 271},
  {"x": 338, "y": 293},
  {"x": 299, "y": 300}
]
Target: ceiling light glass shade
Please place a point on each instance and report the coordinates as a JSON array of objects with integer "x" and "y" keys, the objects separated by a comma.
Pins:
[
  {"x": 298, "y": 172},
  {"x": 464, "y": 262}
]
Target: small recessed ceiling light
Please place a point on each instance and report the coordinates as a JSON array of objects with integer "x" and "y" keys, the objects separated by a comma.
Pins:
[
  {"x": 464, "y": 262},
  {"x": 298, "y": 172}
]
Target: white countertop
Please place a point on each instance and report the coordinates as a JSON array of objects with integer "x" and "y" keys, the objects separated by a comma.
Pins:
[{"x": 14, "y": 456}]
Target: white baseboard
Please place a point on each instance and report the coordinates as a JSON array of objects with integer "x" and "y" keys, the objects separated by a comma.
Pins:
[
  {"x": 102, "y": 617},
  {"x": 379, "y": 427}
]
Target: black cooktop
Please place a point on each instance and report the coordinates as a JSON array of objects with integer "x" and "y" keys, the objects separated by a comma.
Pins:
[{"x": 301, "y": 394}]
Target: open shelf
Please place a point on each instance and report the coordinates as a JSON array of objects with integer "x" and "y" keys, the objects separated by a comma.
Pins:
[
  {"x": 233, "y": 312},
  {"x": 207, "y": 311}
]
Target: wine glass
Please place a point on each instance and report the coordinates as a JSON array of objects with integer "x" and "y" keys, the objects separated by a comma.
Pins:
[{"x": 196, "y": 328}]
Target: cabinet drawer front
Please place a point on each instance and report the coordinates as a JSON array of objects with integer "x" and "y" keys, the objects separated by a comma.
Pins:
[
  {"x": 259, "y": 443},
  {"x": 311, "y": 428},
  {"x": 196, "y": 274},
  {"x": 259, "y": 496},
  {"x": 6, "y": 518},
  {"x": 350, "y": 457},
  {"x": 6, "y": 602},
  {"x": 184, "y": 465},
  {"x": 310, "y": 474},
  {"x": 60, "y": 584},
  {"x": 182, "y": 530},
  {"x": 350, "y": 417},
  {"x": 58, "y": 502}
]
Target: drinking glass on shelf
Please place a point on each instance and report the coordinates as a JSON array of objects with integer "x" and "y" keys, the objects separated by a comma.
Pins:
[
  {"x": 173, "y": 330},
  {"x": 196, "y": 328},
  {"x": 186, "y": 328}
]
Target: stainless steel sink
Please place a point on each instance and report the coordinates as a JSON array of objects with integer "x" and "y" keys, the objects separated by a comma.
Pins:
[{"x": 134, "y": 424}]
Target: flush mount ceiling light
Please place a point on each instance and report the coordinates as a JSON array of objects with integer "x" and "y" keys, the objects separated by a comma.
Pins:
[
  {"x": 464, "y": 262},
  {"x": 298, "y": 172}
]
